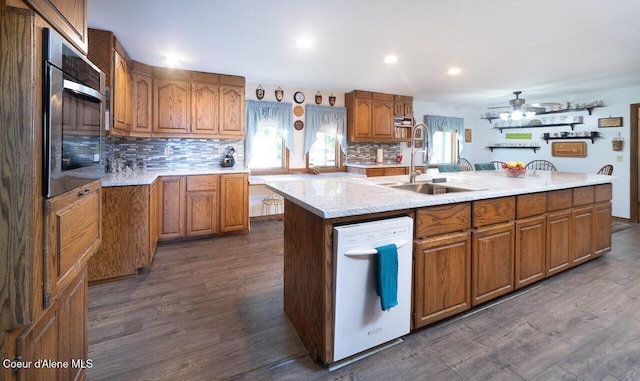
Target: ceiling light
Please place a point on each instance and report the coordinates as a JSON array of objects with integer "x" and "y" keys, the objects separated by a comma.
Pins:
[
  {"x": 171, "y": 60},
  {"x": 390, "y": 59},
  {"x": 516, "y": 115},
  {"x": 304, "y": 42},
  {"x": 454, "y": 71}
]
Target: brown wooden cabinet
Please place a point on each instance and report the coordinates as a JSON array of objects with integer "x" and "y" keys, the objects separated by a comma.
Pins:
[
  {"x": 370, "y": 116},
  {"x": 121, "y": 93},
  {"x": 530, "y": 250},
  {"x": 602, "y": 228},
  {"x": 582, "y": 238},
  {"x": 171, "y": 107},
  {"x": 234, "y": 202},
  {"x": 442, "y": 277},
  {"x": 141, "y": 97},
  {"x": 172, "y": 199},
  {"x": 374, "y": 172},
  {"x": 232, "y": 107},
  {"x": 202, "y": 205},
  {"x": 492, "y": 266},
  {"x": 558, "y": 241},
  {"x": 205, "y": 102},
  {"x": 68, "y": 17},
  {"x": 129, "y": 232},
  {"x": 59, "y": 335}
]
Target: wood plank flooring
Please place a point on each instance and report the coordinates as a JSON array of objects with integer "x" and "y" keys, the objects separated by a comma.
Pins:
[{"x": 212, "y": 309}]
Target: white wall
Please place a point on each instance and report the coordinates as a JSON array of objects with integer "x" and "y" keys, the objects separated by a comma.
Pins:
[{"x": 296, "y": 155}]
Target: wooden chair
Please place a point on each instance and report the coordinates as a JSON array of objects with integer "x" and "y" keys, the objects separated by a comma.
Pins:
[
  {"x": 449, "y": 168},
  {"x": 606, "y": 170},
  {"x": 543, "y": 165},
  {"x": 498, "y": 164},
  {"x": 465, "y": 164}
]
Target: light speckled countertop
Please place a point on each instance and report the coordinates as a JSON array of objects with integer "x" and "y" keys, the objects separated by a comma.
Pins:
[
  {"x": 341, "y": 197},
  {"x": 374, "y": 165},
  {"x": 146, "y": 177},
  {"x": 263, "y": 179}
]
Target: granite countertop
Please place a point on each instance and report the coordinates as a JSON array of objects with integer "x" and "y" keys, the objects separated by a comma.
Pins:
[
  {"x": 375, "y": 165},
  {"x": 146, "y": 177},
  {"x": 342, "y": 197},
  {"x": 263, "y": 179}
]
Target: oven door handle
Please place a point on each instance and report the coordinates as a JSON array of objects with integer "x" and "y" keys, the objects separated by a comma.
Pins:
[
  {"x": 82, "y": 91},
  {"x": 365, "y": 252}
]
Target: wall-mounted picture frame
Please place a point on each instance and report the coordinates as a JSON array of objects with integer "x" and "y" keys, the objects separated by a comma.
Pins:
[
  {"x": 260, "y": 92},
  {"x": 467, "y": 135},
  {"x": 279, "y": 94},
  {"x": 610, "y": 122}
]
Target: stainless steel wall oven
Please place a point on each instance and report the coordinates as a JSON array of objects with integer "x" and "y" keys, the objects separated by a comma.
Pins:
[{"x": 73, "y": 110}]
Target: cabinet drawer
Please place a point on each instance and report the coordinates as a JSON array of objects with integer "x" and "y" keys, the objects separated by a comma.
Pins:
[
  {"x": 528, "y": 205},
  {"x": 202, "y": 183},
  {"x": 493, "y": 211},
  {"x": 583, "y": 196},
  {"x": 375, "y": 172},
  {"x": 560, "y": 199},
  {"x": 395, "y": 171},
  {"x": 436, "y": 220},
  {"x": 603, "y": 192}
]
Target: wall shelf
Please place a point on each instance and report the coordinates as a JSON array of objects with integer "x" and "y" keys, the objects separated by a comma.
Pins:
[
  {"x": 572, "y": 125},
  {"x": 571, "y": 138},
  {"x": 534, "y": 148},
  {"x": 589, "y": 109}
]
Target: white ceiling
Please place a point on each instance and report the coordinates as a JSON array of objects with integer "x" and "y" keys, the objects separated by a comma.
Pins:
[{"x": 542, "y": 47}]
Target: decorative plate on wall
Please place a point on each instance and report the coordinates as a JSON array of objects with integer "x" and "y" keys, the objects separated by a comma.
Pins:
[
  {"x": 298, "y": 125},
  {"x": 298, "y": 111},
  {"x": 298, "y": 97}
]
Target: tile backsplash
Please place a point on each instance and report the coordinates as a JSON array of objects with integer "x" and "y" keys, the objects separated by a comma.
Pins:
[
  {"x": 173, "y": 153},
  {"x": 368, "y": 151}
]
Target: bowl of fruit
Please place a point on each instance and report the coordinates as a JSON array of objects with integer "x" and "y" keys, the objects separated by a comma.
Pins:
[{"x": 514, "y": 169}]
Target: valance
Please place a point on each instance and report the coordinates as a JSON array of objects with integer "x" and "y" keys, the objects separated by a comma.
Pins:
[
  {"x": 319, "y": 115},
  {"x": 256, "y": 111}
]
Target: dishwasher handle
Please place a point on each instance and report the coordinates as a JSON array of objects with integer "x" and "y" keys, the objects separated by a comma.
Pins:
[{"x": 365, "y": 252}]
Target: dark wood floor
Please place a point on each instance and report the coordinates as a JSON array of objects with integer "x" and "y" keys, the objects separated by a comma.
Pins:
[{"x": 212, "y": 309}]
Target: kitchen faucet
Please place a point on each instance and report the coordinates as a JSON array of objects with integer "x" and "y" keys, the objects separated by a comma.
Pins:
[{"x": 413, "y": 172}]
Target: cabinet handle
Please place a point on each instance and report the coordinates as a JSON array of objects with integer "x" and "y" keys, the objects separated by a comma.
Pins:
[{"x": 86, "y": 191}]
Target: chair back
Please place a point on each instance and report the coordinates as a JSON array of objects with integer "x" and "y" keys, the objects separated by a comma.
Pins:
[
  {"x": 543, "y": 165},
  {"x": 465, "y": 164},
  {"x": 498, "y": 164},
  {"x": 449, "y": 168},
  {"x": 606, "y": 170},
  {"x": 485, "y": 167}
]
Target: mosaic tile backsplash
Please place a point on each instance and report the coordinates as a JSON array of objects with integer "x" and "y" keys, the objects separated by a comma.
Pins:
[
  {"x": 368, "y": 151},
  {"x": 173, "y": 153}
]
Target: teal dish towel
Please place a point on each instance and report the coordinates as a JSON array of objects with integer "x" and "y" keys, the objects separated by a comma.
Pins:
[{"x": 387, "y": 276}]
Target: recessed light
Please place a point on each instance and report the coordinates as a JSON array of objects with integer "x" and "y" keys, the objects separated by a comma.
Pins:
[
  {"x": 304, "y": 42},
  {"x": 390, "y": 59},
  {"x": 171, "y": 60},
  {"x": 454, "y": 71}
]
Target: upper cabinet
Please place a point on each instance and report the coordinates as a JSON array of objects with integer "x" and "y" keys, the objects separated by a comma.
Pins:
[
  {"x": 69, "y": 17},
  {"x": 371, "y": 117},
  {"x": 141, "y": 98}
]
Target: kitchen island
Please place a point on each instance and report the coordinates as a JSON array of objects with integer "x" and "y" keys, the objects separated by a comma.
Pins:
[{"x": 470, "y": 246}]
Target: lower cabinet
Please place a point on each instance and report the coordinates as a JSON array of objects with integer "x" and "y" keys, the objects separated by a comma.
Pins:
[
  {"x": 59, "y": 335},
  {"x": 172, "y": 199},
  {"x": 234, "y": 202},
  {"x": 529, "y": 250},
  {"x": 375, "y": 172},
  {"x": 442, "y": 273},
  {"x": 602, "y": 228},
  {"x": 202, "y": 205},
  {"x": 492, "y": 262},
  {"x": 582, "y": 234},
  {"x": 558, "y": 242}
]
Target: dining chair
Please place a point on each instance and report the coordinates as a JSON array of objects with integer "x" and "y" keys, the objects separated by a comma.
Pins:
[
  {"x": 465, "y": 164},
  {"x": 543, "y": 165},
  {"x": 449, "y": 168},
  {"x": 606, "y": 170},
  {"x": 485, "y": 167},
  {"x": 498, "y": 164}
]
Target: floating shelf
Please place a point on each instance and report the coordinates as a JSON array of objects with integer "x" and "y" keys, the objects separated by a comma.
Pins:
[
  {"x": 571, "y": 138},
  {"x": 572, "y": 125},
  {"x": 588, "y": 109},
  {"x": 534, "y": 148}
]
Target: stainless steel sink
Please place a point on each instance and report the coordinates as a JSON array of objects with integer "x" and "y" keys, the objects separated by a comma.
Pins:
[{"x": 427, "y": 188}]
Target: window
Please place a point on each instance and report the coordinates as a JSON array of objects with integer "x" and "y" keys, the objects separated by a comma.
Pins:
[
  {"x": 445, "y": 147},
  {"x": 325, "y": 151},
  {"x": 268, "y": 150}
]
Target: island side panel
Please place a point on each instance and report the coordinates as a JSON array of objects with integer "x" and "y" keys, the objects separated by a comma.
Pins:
[{"x": 307, "y": 274}]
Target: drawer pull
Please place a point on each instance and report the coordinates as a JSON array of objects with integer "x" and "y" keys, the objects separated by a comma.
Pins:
[{"x": 80, "y": 194}]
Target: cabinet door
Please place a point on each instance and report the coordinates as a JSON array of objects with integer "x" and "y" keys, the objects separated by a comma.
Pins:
[
  {"x": 121, "y": 96},
  {"x": 442, "y": 277},
  {"x": 558, "y": 242},
  {"x": 154, "y": 208},
  {"x": 530, "y": 250},
  {"x": 492, "y": 262},
  {"x": 398, "y": 109},
  {"x": 141, "y": 124},
  {"x": 73, "y": 328},
  {"x": 395, "y": 171},
  {"x": 173, "y": 207},
  {"x": 234, "y": 203},
  {"x": 171, "y": 107},
  {"x": 382, "y": 120},
  {"x": 202, "y": 213},
  {"x": 68, "y": 16},
  {"x": 232, "y": 111},
  {"x": 582, "y": 234},
  {"x": 375, "y": 172},
  {"x": 408, "y": 109},
  {"x": 602, "y": 228},
  {"x": 41, "y": 341},
  {"x": 362, "y": 118},
  {"x": 205, "y": 105}
]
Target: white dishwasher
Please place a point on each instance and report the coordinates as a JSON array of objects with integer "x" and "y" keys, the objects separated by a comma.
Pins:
[{"x": 359, "y": 321}]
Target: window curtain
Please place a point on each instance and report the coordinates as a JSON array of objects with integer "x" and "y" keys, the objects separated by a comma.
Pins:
[
  {"x": 319, "y": 115},
  {"x": 256, "y": 111},
  {"x": 437, "y": 123}
]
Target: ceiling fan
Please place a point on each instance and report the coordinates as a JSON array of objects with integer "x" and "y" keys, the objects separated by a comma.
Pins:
[{"x": 519, "y": 109}]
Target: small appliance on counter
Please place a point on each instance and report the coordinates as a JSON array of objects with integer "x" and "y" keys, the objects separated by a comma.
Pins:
[{"x": 228, "y": 160}]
